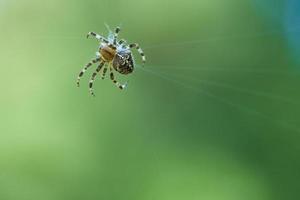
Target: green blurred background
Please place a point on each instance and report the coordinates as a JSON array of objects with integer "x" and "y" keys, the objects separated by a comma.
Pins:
[{"x": 213, "y": 115}]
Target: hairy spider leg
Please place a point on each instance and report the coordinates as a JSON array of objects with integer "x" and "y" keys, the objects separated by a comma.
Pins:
[
  {"x": 104, "y": 72},
  {"x": 136, "y": 46},
  {"x": 85, "y": 68},
  {"x": 98, "y": 37},
  {"x": 117, "y": 31},
  {"x": 122, "y": 41},
  {"x": 93, "y": 77},
  {"x": 112, "y": 77}
]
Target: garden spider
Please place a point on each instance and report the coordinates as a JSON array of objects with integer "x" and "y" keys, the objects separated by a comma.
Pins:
[{"x": 112, "y": 54}]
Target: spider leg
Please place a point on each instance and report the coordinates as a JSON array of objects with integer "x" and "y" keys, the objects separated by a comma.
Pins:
[
  {"x": 122, "y": 41},
  {"x": 112, "y": 77},
  {"x": 94, "y": 76},
  {"x": 104, "y": 72},
  {"x": 117, "y": 30},
  {"x": 136, "y": 46},
  {"x": 85, "y": 68},
  {"x": 98, "y": 37}
]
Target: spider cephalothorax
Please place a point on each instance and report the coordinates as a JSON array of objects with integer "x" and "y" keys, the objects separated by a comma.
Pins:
[{"x": 114, "y": 54}]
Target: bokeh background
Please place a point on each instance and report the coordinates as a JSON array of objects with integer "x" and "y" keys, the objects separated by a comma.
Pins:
[{"x": 213, "y": 115}]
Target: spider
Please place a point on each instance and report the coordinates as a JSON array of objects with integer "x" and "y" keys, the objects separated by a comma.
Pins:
[{"x": 113, "y": 54}]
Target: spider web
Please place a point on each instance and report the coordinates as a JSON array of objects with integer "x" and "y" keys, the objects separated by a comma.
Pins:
[
  {"x": 181, "y": 80},
  {"x": 240, "y": 107}
]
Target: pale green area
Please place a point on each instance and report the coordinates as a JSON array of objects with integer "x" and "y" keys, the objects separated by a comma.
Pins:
[{"x": 214, "y": 115}]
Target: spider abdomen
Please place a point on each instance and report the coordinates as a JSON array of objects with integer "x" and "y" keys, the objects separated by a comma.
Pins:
[{"x": 123, "y": 63}]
